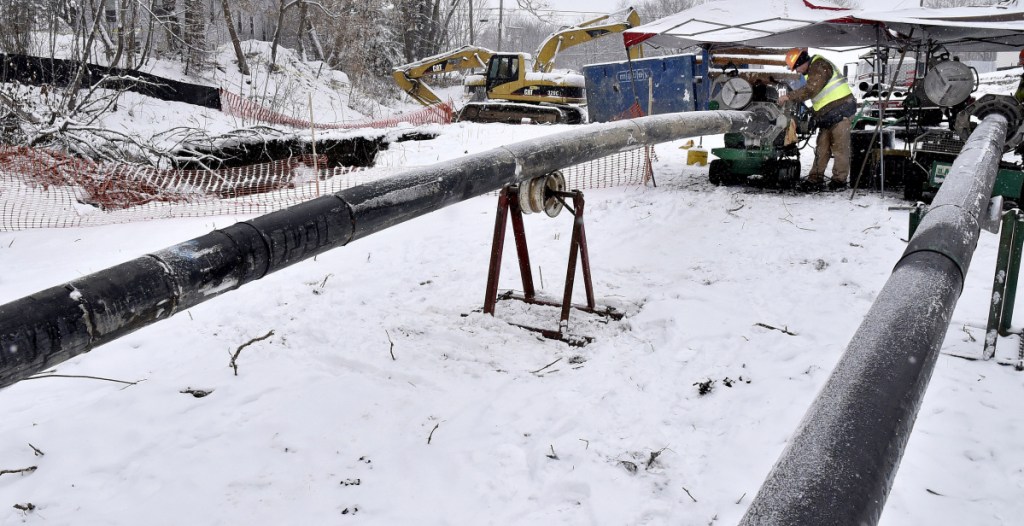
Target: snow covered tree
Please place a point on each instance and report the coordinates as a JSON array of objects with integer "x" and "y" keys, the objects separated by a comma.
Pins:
[
  {"x": 243, "y": 67},
  {"x": 18, "y": 16},
  {"x": 194, "y": 36},
  {"x": 425, "y": 26}
]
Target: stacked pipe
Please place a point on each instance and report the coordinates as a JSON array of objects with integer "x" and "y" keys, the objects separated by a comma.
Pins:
[
  {"x": 839, "y": 466},
  {"x": 53, "y": 325}
]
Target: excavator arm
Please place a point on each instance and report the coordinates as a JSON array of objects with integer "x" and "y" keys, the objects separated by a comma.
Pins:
[
  {"x": 544, "y": 58},
  {"x": 410, "y": 76}
]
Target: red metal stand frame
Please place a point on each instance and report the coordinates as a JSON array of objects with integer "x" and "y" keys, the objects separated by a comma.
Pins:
[{"x": 508, "y": 204}]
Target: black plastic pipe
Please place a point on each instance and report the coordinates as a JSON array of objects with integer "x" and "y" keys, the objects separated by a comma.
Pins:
[
  {"x": 53, "y": 325},
  {"x": 839, "y": 466}
]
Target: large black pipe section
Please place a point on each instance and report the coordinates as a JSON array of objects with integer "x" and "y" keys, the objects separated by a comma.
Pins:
[
  {"x": 53, "y": 325},
  {"x": 839, "y": 466}
]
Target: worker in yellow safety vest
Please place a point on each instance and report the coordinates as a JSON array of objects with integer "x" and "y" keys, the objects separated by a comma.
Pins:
[{"x": 833, "y": 103}]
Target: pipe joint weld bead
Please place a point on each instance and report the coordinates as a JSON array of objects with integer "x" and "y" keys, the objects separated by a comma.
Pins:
[{"x": 933, "y": 235}]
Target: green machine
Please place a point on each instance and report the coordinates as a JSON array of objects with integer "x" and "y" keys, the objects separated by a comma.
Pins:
[
  {"x": 933, "y": 152},
  {"x": 1009, "y": 181},
  {"x": 758, "y": 159},
  {"x": 758, "y": 164}
]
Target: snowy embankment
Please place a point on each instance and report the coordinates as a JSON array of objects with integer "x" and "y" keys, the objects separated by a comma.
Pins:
[{"x": 384, "y": 396}]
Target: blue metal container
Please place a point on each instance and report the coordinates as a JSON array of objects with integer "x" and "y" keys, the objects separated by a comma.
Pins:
[{"x": 658, "y": 85}]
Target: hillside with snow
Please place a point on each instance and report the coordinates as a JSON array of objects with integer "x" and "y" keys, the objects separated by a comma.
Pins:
[{"x": 370, "y": 389}]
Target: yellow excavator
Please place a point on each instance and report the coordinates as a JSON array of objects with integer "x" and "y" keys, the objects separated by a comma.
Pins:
[
  {"x": 516, "y": 87},
  {"x": 409, "y": 77}
]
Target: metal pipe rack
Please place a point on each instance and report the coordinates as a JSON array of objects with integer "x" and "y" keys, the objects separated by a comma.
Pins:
[
  {"x": 53, "y": 325},
  {"x": 840, "y": 464}
]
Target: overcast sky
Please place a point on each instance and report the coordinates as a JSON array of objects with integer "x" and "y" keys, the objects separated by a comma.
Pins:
[
  {"x": 569, "y": 10},
  {"x": 600, "y": 6}
]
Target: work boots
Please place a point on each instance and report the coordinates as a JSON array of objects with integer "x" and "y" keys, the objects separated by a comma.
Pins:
[
  {"x": 808, "y": 185},
  {"x": 837, "y": 186}
]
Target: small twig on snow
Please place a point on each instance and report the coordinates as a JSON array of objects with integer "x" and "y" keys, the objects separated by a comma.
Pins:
[
  {"x": 741, "y": 498},
  {"x": 689, "y": 494},
  {"x": 968, "y": 333},
  {"x": 36, "y": 377},
  {"x": 737, "y": 209},
  {"x": 546, "y": 366},
  {"x": 324, "y": 282},
  {"x": 784, "y": 205},
  {"x": 392, "y": 344},
  {"x": 431, "y": 435},
  {"x": 234, "y": 358},
  {"x": 786, "y": 219},
  {"x": 654, "y": 456},
  {"x": 874, "y": 227},
  {"x": 784, "y": 330},
  {"x": 553, "y": 455},
  {"x": 27, "y": 507},
  {"x": 38, "y": 453},
  {"x": 29, "y": 469}
]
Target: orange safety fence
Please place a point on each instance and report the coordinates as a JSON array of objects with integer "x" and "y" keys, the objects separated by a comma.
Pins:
[
  {"x": 633, "y": 111},
  {"x": 45, "y": 189},
  {"x": 239, "y": 106}
]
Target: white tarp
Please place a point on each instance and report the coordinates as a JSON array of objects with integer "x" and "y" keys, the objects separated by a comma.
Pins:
[
  {"x": 821, "y": 24},
  {"x": 979, "y": 28},
  {"x": 761, "y": 23}
]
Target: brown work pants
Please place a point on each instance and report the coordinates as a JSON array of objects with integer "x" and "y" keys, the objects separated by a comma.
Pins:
[{"x": 833, "y": 142}]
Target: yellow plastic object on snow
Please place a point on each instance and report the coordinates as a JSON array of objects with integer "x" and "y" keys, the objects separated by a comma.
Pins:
[{"x": 697, "y": 156}]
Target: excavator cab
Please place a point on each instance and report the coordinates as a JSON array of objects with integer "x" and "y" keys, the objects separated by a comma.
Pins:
[
  {"x": 502, "y": 69},
  {"x": 515, "y": 94}
]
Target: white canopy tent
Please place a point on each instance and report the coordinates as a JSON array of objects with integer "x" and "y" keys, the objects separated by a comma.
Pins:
[
  {"x": 958, "y": 29},
  {"x": 763, "y": 23},
  {"x": 823, "y": 25}
]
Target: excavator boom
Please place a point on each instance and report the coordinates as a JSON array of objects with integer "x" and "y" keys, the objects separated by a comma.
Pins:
[
  {"x": 544, "y": 57},
  {"x": 410, "y": 76},
  {"x": 511, "y": 90}
]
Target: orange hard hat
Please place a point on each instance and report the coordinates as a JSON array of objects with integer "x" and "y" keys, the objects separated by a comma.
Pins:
[{"x": 795, "y": 57}]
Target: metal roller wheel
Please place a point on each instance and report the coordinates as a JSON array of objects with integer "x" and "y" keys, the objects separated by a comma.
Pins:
[
  {"x": 554, "y": 182},
  {"x": 524, "y": 197},
  {"x": 536, "y": 195}
]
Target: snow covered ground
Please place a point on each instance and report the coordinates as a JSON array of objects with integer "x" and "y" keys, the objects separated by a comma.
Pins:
[{"x": 384, "y": 396}]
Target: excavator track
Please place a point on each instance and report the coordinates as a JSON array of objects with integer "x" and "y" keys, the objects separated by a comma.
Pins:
[{"x": 519, "y": 113}]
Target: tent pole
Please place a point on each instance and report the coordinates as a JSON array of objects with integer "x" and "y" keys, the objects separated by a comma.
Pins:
[
  {"x": 632, "y": 80},
  {"x": 881, "y": 116}
]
